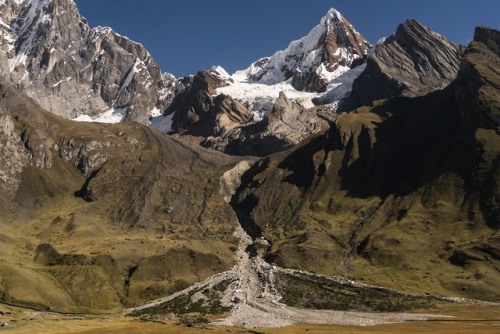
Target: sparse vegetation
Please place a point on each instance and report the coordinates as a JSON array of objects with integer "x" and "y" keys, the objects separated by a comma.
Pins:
[
  {"x": 208, "y": 303},
  {"x": 317, "y": 292}
]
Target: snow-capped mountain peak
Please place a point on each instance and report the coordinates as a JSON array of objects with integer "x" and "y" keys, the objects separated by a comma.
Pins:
[
  {"x": 310, "y": 60},
  {"x": 319, "y": 66}
]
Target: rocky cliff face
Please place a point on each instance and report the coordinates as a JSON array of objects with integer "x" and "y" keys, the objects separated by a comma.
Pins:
[
  {"x": 49, "y": 52},
  {"x": 14, "y": 156},
  {"x": 222, "y": 123},
  {"x": 196, "y": 111},
  {"x": 479, "y": 82},
  {"x": 412, "y": 62},
  {"x": 279, "y": 91},
  {"x": 311, "y": 61},
  {"x": 286, "y": 125}
]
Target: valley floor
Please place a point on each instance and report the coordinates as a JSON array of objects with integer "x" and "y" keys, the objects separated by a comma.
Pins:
[{"x": 466, "y": 319}]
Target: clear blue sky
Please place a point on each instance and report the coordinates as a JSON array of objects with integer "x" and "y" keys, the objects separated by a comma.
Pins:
[{"x": 185, "y": 36}]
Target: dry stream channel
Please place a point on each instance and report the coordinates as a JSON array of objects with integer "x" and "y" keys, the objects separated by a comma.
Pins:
[{"x": 248, "y": 290}]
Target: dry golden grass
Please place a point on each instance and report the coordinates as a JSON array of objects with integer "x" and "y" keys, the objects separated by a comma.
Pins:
[{"x": 468, "y": 319}]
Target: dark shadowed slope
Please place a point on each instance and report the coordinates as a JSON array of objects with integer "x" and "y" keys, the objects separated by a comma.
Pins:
[{"x": 403, "y": 194}]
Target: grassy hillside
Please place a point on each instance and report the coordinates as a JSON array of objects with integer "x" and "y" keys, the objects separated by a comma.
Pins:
[
  {"x": 402, "y": 194},
  {"x": 99, "y": 216}
]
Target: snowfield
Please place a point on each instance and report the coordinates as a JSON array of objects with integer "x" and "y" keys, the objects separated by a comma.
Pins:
[
  {"x": 109, "y": 116},
  {"x": 260, "y": 97}
]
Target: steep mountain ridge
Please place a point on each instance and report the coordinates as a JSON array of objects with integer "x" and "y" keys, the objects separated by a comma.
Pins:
[
  {"x": 479, "y": 80},
  {"x": 50, "y": 52},
  {"x": 412, "y": 62},
  {"x": 401, "y": 193},
  {"x": 319, "y": 67}
]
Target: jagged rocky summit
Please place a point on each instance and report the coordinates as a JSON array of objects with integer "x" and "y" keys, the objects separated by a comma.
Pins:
[
  {"x": 412, "y": 62},
  {"x": 311, "y": 61},
  {"x": 49, "y": 52},
  {"x": 402, "y": 193}
]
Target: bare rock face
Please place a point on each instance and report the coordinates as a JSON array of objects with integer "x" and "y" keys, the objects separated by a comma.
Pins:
[
  {"x": 489, "y": 37},
  {"x": 292, "y": 120},
  {"x": 50, "y": 53},
  {"x": 14, "y": 157},
  {"x": 412, "y": 62},
  {"x": 199, "y": 113},
  {"x": 229, "y": 113}
]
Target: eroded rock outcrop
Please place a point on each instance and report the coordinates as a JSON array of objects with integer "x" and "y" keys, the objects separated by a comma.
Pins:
[
  {"x": 478, "y": 82},
  {"x": 287, "y": 124},
  {"x": 198, "y": 112}
]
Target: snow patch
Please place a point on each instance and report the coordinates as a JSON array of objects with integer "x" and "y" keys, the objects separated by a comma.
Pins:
[
  {"x": 381, "y": 41},
  {"x": 26, "y": 27},
  {"x": 60, "y": 82},
  {"x": 162, "y": 123},
  {"x": 115, "y": 115},
  {"x": 323, "y": 72},
  {"x": 260, "y": 98},
  {"x": 131, "y": 74},
  {"x": 220, "y": 71},
  {"x": 341, "y": 86},
  {"x": 155, "y": 112}
]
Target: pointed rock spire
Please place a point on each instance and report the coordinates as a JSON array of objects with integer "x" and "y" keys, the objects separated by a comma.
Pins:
[{"x": 412, "y": 62}]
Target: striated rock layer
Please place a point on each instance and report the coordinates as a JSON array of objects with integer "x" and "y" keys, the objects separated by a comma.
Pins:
[
  {"x": 196, "y": 111},
  {"x": 286, "y": 125},
  {"x": 412, "y": 62}
]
